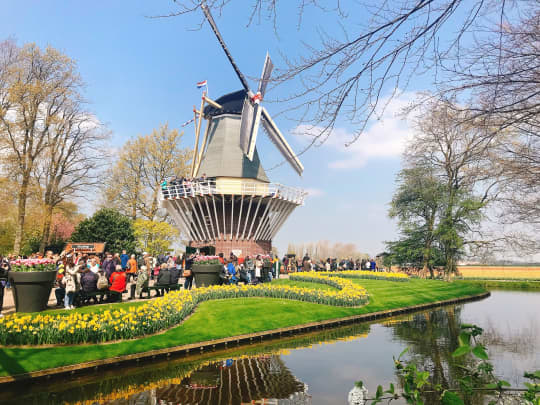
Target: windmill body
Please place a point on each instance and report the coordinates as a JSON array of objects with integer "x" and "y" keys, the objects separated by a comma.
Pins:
[{"x": 233, "y": 206}]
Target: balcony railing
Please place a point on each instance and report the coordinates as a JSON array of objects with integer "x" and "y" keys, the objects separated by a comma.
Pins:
[{"x": 232, "y": 187}]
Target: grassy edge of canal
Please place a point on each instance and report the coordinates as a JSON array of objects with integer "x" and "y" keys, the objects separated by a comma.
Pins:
[
  {"x": 226, "y": 318},
  {"x": 516, "y": 284}
]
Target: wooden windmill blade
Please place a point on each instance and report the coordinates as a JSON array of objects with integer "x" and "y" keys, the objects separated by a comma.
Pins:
[
  {"x": 214, "y": 27},
  {"x": 251, "y": 113},
  {"x": 279, "y": 141},
  {"x": 265, "y": 76},
  {"x": 246, "y": 125}
]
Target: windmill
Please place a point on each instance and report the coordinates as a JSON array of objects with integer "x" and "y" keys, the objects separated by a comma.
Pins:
[
  {"x": 236, "y": 207},
  {"x": 252, "y": 110}
]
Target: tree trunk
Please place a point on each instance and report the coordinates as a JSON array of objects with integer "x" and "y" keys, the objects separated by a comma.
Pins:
[
  {"x": 427, "y": 246},
  {"x": 21, "y": 212},
  {"x": 46, "y": 230}
]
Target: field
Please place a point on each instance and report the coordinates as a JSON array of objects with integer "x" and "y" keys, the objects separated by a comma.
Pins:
[{"x": 500, "y": 272}]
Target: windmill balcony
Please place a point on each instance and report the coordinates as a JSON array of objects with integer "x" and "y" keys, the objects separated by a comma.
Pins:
[
  {"x": 238, "y": 187},
  {"x": 230, "y": 213}
]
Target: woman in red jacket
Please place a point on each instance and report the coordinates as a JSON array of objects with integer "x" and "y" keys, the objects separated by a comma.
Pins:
[{"x": 117, "y": 283}]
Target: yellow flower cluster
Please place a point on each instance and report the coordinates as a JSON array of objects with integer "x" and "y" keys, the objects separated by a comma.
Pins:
[
  {"x": 162, "y": 313},
  {"x": 347, "y": 289},
  {"x": 374, "y": 275}
]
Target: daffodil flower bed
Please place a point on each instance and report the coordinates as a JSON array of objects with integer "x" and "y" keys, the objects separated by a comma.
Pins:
[
  {"x": 372, "y": 275},
  {"x": 162, "y": 313}
]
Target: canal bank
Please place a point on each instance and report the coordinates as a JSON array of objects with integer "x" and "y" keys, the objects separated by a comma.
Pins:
[
  {"x": 216, "y": 344},
  {"x": 321, "y": 366}
]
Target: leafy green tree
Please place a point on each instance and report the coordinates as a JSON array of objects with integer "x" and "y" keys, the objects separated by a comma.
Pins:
[
  {"x": 109, "y": 226},
  {"x": 154, "y": 237},
  {"x": 450, "y": 178},
  {"x": 416, "y": 205}
]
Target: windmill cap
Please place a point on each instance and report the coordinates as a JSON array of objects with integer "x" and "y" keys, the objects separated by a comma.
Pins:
[{"x": 232, "y": 103}]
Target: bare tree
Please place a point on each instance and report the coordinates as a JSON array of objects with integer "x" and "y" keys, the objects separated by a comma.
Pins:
[
  {"x": 143, "y": 164},
  {"x": 460, "y": 152},
  {"x": 35, "y": 87},
  {"x": 71, "y": 162}
]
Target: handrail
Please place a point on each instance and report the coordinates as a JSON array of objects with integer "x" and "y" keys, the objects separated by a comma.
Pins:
[{"x": 211, "y": 186}]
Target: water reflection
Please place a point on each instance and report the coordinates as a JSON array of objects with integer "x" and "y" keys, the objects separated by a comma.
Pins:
[
  {"x": 318, "y": 367},
  {"x": 248, "y": 373},
  {"x": 261, "y": 378}
]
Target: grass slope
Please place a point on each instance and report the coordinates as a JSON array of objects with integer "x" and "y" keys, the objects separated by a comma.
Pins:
[{"x": 223, "y": 318}]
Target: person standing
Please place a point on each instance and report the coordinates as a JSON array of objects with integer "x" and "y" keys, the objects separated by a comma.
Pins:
[
  {"x": 60, "y": 290},
  {"x": 258, "y": 268},
  {"x": 109, "y": 266},
  {"x": 231, "y": 270},
  {"x": 124, "y": 258},
  {"x": 250, "y": 267},
  {"x": 148, "y": 260},
  {"x": 188, "y": 273},
  {"x": 117, "y": 260},
  {"x": 93, "y": 265},
  {"x": 131, "y": 268},
  {"x": 71, "y": 283},
  {"x": 4, "y": 271}
]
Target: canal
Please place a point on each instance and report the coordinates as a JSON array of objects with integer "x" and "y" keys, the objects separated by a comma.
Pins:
[{"x": 313, "y": 368}]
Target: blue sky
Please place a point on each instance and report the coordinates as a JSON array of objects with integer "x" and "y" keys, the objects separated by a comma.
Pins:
[{"x": 141, "y": 72}]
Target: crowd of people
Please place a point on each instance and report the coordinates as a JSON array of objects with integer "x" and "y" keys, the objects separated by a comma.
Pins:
[
  {"x": 293, "y": 264},
  {"x": 254, "y": 269},
  {"x": 183, "y": 186},
  {"x": 91, "y": 278}
]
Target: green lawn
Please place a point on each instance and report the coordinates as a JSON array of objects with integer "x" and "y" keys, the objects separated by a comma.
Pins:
[{"x": 223, "y": 318}]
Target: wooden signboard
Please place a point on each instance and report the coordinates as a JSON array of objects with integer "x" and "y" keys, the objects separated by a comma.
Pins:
[{"x": 83, "y": 247}]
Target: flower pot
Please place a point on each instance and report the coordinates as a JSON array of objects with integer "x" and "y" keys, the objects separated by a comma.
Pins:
[
  {"x": 206, "y": 274},
  {"x": 31, "y": 290}
]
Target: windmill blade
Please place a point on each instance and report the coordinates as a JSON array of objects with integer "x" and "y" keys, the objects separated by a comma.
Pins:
[
  {"x": 249, "y": 127},
  {"x": 277, "y": 138},
  {"x": 266, "y": 73},
  {"x": 212, "y": 23}
]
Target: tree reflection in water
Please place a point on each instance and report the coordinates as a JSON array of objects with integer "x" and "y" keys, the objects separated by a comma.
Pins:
[{"x": 431, "y": 338}]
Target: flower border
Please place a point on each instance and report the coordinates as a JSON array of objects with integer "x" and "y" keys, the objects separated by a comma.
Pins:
[{"x": 164, "y": 312}]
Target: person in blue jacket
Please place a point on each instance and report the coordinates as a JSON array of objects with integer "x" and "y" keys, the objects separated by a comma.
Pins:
[
  {"x": 124, "y": 257},
  {"x": 232, "y": 272}
]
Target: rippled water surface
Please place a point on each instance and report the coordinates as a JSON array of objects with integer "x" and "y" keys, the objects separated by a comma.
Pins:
[{"x": 315, "y": 368}]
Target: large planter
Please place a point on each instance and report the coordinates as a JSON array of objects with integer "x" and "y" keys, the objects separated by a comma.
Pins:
[
  {"x": 31, "y": 290},
  {"x": 206, "y": 274}
]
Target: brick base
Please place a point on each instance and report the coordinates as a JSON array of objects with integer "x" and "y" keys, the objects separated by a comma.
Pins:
[{"x": 248, "y": 247}]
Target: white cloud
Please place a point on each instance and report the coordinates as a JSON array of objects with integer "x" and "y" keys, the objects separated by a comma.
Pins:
[{"x": 385, "y": 137}]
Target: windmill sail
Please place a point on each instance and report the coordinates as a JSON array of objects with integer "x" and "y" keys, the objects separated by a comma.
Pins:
[
  {"x": 279, "y": 141},
  {"x": 223, "y": 45},
  {"x": 266, "y": 73},
  {"x": 251, "y": 114},
  {"x": 246, "y": 125},
  {"x": 252, "y": 111}
]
